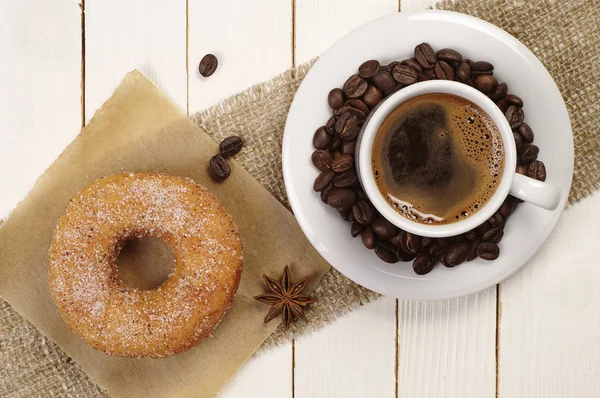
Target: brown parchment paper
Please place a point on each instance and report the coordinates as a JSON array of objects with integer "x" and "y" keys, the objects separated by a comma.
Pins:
[{"x": 139, "y": 129}]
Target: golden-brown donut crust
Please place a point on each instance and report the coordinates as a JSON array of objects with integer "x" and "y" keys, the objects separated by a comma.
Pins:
[{"x": 116, "y": 318}]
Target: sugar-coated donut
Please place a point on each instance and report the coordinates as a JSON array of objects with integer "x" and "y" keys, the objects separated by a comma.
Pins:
[{"x": 124, "y": 321}]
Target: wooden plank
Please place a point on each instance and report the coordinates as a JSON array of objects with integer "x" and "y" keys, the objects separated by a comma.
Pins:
[
  {"x": 352, "y": 357},
  {"x": 447, "y": 348},
  {"x": 549, "y": 344},
  {"x": 251, "y": 39},
  {"x": 149, "y": 35},
  {"x": 40, "y": 93}
]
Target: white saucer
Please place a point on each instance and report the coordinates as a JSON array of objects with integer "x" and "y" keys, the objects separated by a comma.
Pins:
[{"x": 394, "y": 38}]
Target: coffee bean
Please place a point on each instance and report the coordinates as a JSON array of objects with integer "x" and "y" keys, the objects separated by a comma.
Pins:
[
  {"x": 493, "y": 235},
  {"x": 425, "y": 55},
  {"x": 347, "y": 215},
  {"x": 230, "y": 146},
  {"x": 423, "y": 264},
  {"x": 508, "y": 206},
  {"x": 219, "y": 167},
  {"x": 526, "y": 132},
  {"x": 321, "y": 159},
  {"x": 528, "y": 154},
  {"x": 384, "y": 81},
  {"x": 500, "y": 92},
  {"x": 208, "y": 65},
  {"x": 368, "y": 69},
  {"x": 336, "y": 144},
  {"x": 342, "y": 163},
  {"x": 355, "y": 86},
  {"x": 341, "y": 198},
  {"x": 449, "y": 55},
  {"x": 481, "y": 67},
  {"x": 518, "y": 139},
  {"x": 515, "y": 116},
  {"x": 463, "y": 72},
  {"x": 471, "y": 235},
  {"x": 392, "y": 65},
  {"x": 496, "y": 221},
  {"x": 404, "y": 74},
  {"x": 473, "y": 253},
  {"x": 373, "y": 96},
  {"x": 367, "y": 237},
  {"x": 537, "y": 170},
  {"x": 385, "y": 68},
  {"x": 335, "y": 99},
  {"x": 351, "y": 110},
  {"x": 362, "y": 212},
  {"x": 514, "y": 100},
  {"x": 522, "y": 170},
  {"x": 427, "y": 74},
  {"x": 488, "y": 251},
  {"x": 349, "y": 147},
  {"x": 443, "y": 71},
  {"x": 483, "y": 228},
  {"x": 486, "y": 83},
  {"x": 345, "y": 179},
  {"x": 360, "y": 194},
  {"x": 410, "y": 243},
  {"x": 435, "y": 251},
  {"x": 503, "y": 105},
  {"x": 384, "y": 229},
  {"x": 323, "y": 180},
  {"x": 330, "y": 126},
  {"x": 322, "y": 139},
  {"x": 359, "y": 105},
  {"x": 385, "y": 253},
  {"x": 412, "y": 62},
  {"x": 397, "y": 239},
  {"x": 455, "y": 253},
  {"x": 347, "y": 126},
  {"x": 325, "y": 192},
  {"x": 356, "y": 228}
]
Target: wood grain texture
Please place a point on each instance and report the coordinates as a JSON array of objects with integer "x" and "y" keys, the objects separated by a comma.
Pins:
[
  {"x": 549, "y": 341},
  {"x": 148, "y": 35},
  {"x": 40, "y": 94},
  {"x": 252, "y": 40},
  {"x": 352, "y": 357},
  {"x": 447, "y": 348}
]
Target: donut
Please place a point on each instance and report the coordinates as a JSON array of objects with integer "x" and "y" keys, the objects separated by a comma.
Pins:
[{"x": 124, "y": 321}]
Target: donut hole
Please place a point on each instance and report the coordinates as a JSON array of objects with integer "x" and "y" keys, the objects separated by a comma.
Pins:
[{"x": 145, "y": 263}]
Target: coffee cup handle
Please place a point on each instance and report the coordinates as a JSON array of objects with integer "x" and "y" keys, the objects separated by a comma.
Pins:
[{"x": 535, "y": 192}]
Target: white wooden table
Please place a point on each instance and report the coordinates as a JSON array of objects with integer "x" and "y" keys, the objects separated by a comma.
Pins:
[{"x": 534, "y": 335}]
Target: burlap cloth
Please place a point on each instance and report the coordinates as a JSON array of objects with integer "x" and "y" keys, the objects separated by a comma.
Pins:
[{"x": 565, "y": 35}]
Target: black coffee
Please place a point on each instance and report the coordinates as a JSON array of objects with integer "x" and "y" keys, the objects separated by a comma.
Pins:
[{"x": 438, "y": 158}]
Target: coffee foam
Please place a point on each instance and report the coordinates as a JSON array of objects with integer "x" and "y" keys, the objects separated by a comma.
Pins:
[{"x": 438, "y": 158}]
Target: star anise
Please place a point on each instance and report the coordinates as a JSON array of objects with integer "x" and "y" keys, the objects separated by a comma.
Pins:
[{"x": 285, "y": 298}]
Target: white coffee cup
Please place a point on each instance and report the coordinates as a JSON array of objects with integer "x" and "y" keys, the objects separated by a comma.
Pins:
[{"x": 535, "y": 192}]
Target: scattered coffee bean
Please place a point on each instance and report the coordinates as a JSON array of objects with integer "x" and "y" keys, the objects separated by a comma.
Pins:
[
  {"x": 423, "y": 264},
  {"x": 427, "y": 74},
  {"x": 496, "y": 221},
  {"x": 362, "y": 212},
  {"x": 321, "y": 159},
  {"x": 471, "y": 235},
  {"x": 435, "y": 251},
  {"x": 396, "y": 240},
  {"x": 473, "y": 253},
  {"x": 455, "y": 253},
  {"x": 368, "y": 69},
  {"x": 443, "y": 71},
  {"x": 515, "y": 116},
  {"x": 347, "y": 215},
  {"x": 426, "y": 242},
  {"x": 488, "y": 251},
  {"x": 500, "y": 92},
  {"x": 449, "y": 55},
  {"x": 360, "y": 194},
  {"x": 463, "y": 72},
  {"x": 219, "y": 167},
  {"x": 518, "y": 139},
  {"x": 528, "y": 154},
  {"x": 355, "y": 86},
  {"x": 483, "y": 228},
  {"x": 367, "y": 237},
  {"x": 325, "y": 192},
  {"x": 410, "y": 243},
  {"x": 348, "y": 147},
  {"x": 336, "y": 144},
  {"x": 384, "y": 229},
  {"x": 493, "y": 235},
  {"x": 404, "y": 74},
  {"x": 482, "y": 67},
  {"x": 487, "y": 84},
  {"x": 208, "y": 65},
  {"x": 341, "y": 198},
  {"x": 335, "y": 99},
  {"x": 346, "y": 179},
  {"x": 425, "y": 55},
  {"x": 372, "y": 96},
  {"x": 359, "y": 105},
  {"x": 508, "y": 206},
  {"x": 385, "y": 253},
  {"x": 330, "y": 126},
  {"x": 356, "y": 228},
  {"x": 231, "y": 146},
  {"x": 537, "y": 170},
  {"x": 514, "y": 100},
  {"x": 522, "y": 170},
  {"x": 385, "y": 68},
  {"x": 392, "y": 65},
  {"x": 322, "y": 139},
  {"x": 412, "y": 62},
  {"x": 526, "y": 132},
  {"x": 360, "y": 115},
  {"x": 503, "y": 105},
  {"x": 384, "y": 81},
  {"x": 342, "y": 163},
  {"x": 323, "y": 180},
  {"x": 347, "y": 126}
]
